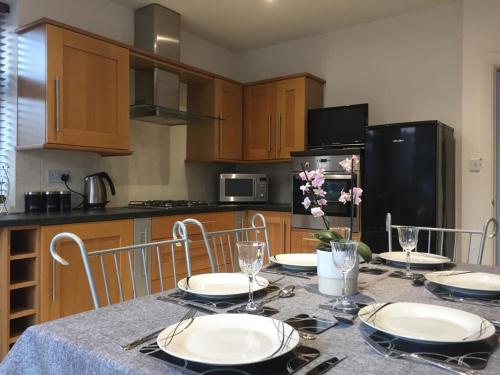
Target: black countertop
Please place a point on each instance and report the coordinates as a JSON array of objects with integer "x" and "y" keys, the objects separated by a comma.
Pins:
[{"x": 118, "y": 213}]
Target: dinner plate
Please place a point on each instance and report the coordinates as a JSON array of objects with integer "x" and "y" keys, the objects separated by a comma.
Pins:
[
  {"x": 221, "y": 285},
  {"x": 228, "y": 339},
  {"x": 480, "y": 284},
  {"x": 416, "y": 258},
  {"x": 296, "y": 261},
  {"x": 426, "y": 323}
]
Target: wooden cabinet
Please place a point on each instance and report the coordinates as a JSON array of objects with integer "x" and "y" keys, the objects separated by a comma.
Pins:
[
  {"x": 278, "y": 230},
  {"x": 162, "y": 230},
  {"x": 220, "y": 139},
  {"x": 19, "y": 283},
  {"x": 73, "y": 92},
  {"x": 64, "y": 290},
  {"x": 303, "y": 240},
  {"x": 274, "y": 116}
]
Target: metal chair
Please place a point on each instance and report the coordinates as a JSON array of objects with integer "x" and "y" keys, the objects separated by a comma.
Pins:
[
  {"x": 180, "y": 238},
  {"x": 442, "y": 235},
  {"x": 221, "y": 245}
]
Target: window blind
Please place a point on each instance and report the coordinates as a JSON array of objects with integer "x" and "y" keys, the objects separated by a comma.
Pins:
[{"x": 7, "y": 113}]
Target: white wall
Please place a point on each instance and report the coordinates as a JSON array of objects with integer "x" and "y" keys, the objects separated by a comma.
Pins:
[
  {"x": 156, "y": 169},
  {"x": 481, "y": 54}
]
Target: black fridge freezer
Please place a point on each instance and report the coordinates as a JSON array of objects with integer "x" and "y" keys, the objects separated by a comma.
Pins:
[{"x": 409, "y": 171}]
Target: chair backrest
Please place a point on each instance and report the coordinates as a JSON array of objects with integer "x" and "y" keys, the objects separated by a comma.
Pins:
[
  {"x": 437, "y": 237},
  {"x": 146, "y": 251},
  {"x": 221, "y": 245}
]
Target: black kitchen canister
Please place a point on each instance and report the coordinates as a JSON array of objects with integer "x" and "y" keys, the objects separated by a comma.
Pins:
[
  {"x": 51, "y": 201},
  {"x": 32, "y": 202},
  {"x": 65, "y": 200}
]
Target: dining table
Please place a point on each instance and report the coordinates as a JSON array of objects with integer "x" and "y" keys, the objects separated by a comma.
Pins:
[{"x": 90, "y": 342}]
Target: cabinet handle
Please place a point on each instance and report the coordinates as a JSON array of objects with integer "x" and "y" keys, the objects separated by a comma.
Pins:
[
  {"x": 53, "y": 280},
  {"x": 282, "y": 237},
  {"x": 58, "y": 104},
  {"x": 279, "y": 131},
  {"x": 220, "y": 131},
  {"x": 268, "y": 133}
]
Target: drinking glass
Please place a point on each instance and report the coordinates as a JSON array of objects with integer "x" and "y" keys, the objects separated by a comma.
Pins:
[
  {"x": 408, "y": 237},
  {"x": 250, "y": 258},
  {"x": 344, "y": 256},
  {"x": 345, "y": 232}
]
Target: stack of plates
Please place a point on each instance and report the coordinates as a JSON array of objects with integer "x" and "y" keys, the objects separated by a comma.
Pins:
[
  {"x": 229, "y": 339},
  {"x": 221, "y": 285},
  {"x": 296, "y": 261},
  {"x": 427, "y": 324},
  {"x": 421, "y": 260},
  {"x": 473, "y": 284}
]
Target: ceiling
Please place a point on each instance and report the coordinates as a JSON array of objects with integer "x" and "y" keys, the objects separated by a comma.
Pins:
[{"x": 242, "y": 25}]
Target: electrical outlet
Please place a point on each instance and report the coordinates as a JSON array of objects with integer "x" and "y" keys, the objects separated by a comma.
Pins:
[
  {"x": 54, "y": 175},
  {"x": 475, "y": 164}
]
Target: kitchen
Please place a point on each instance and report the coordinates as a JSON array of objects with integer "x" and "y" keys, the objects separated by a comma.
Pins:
[{"x": 384, "y": 60}]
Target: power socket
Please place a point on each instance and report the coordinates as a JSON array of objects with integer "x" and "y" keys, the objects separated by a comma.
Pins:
[{"x": 54, "y": 175}]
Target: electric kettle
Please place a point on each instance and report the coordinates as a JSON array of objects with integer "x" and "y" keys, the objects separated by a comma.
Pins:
[{"x": 94, "y": 190}]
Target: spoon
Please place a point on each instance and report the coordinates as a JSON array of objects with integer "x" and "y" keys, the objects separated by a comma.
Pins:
[
  {"x": 285, "y": 292},
  {"x": 307, "y": 336}
]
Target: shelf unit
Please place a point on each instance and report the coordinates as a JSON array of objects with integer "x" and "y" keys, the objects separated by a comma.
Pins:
[{"x": 19, "y": 280}]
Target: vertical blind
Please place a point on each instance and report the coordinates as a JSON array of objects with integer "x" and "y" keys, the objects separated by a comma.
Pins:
[{"x": 7, "y": 113}]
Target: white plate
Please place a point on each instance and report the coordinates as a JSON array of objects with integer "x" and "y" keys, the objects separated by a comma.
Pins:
[
  {"x": 296, "y": 261},
  {"x": 229, "y": 339},
  {"x": 480, "y": 283},
  {"x": 416, "y": 258},
  {"x": 221, "y": 285},
  {"x": 426, "y": 323}
]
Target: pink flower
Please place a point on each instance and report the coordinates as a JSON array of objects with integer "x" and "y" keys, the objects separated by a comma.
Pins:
[
  {"x": 345, "y": 196},
  {"x": 357, "y": 192},
  {"x": 306, "y": 203},
  {"x": 319, "y": 192},
  {"x": 307, "y": 175},
  {"x": 305, "y": 188},
  {"x": 322, "y": 202},
  {"x": 346, "y": 165},
  {"x": 318, "y": 181},
  {"x": 317, "y": 211}
]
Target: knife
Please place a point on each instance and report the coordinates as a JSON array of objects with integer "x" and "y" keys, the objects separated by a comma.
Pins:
[{"x": 325, "y": 366}]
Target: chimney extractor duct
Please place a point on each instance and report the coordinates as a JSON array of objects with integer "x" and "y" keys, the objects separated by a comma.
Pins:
[{"x": 157, "y": 30}]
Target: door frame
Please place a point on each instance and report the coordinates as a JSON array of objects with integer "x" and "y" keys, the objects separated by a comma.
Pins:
[{"x": 496, "y": 162}]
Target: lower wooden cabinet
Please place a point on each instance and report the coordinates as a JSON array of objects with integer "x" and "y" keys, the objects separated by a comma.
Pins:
[
  {"x": 303, "y": 240},
  {"x": 64, "y": 290},
  {"x": 162, "y": 230},
  {"x": 278, "y": 229}
]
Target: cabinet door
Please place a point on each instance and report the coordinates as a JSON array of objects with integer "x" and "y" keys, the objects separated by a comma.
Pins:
[
  {"x": 66, "y": 291},
  {"x": 228, "y": 103},
  {"x": 260, "y": 121},
  {"x": 278, "y": 230},
  {"x": 303, "y": 241},
  {"x": 291, "y": 114},
  {"x": 87, "y": 91}
]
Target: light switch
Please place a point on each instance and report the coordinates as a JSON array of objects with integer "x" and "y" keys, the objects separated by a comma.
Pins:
[{"x": 475, "y": 164}]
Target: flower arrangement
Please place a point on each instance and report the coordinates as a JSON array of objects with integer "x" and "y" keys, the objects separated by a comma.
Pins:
[{"x": 314, "y": 199}]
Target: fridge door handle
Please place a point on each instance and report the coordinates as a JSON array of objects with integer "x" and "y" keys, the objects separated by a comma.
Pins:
[{"x": 398, "y": 140}]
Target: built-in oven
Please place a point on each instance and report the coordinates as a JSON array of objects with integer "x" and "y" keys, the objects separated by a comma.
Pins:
[{"x": 336, "y": 180}]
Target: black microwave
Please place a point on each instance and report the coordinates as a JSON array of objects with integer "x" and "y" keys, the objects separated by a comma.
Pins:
[{"x": 337, "y": 126}]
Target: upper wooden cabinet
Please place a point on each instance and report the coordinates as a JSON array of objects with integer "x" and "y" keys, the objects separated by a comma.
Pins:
[
  {"x": 73, "y": 92},
  {"x": 220, "y": 139},
  {"x": 274, "y": 116}
]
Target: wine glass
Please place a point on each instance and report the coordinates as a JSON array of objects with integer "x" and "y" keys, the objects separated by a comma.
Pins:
[
  {"x": 344, "y": 256},
  {"x": 345, "y": 232},
  {"x": 250, "y": 258},
  {"x": 408, "y": 238}
]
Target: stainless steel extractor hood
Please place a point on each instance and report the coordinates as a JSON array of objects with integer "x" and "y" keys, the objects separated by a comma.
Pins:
[{"x": 157, "y": 30}]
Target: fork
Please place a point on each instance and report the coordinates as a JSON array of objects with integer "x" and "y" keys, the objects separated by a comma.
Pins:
[{"x": 396, "y": 354}]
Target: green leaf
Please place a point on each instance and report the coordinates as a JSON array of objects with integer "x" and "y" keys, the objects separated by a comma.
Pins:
[
  {"x": 364, "y": 251},
  {"x": 327, "y": 235}
]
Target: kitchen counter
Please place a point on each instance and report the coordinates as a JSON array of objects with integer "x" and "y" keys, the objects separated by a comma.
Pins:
[{"x": 119, "y": 213}]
